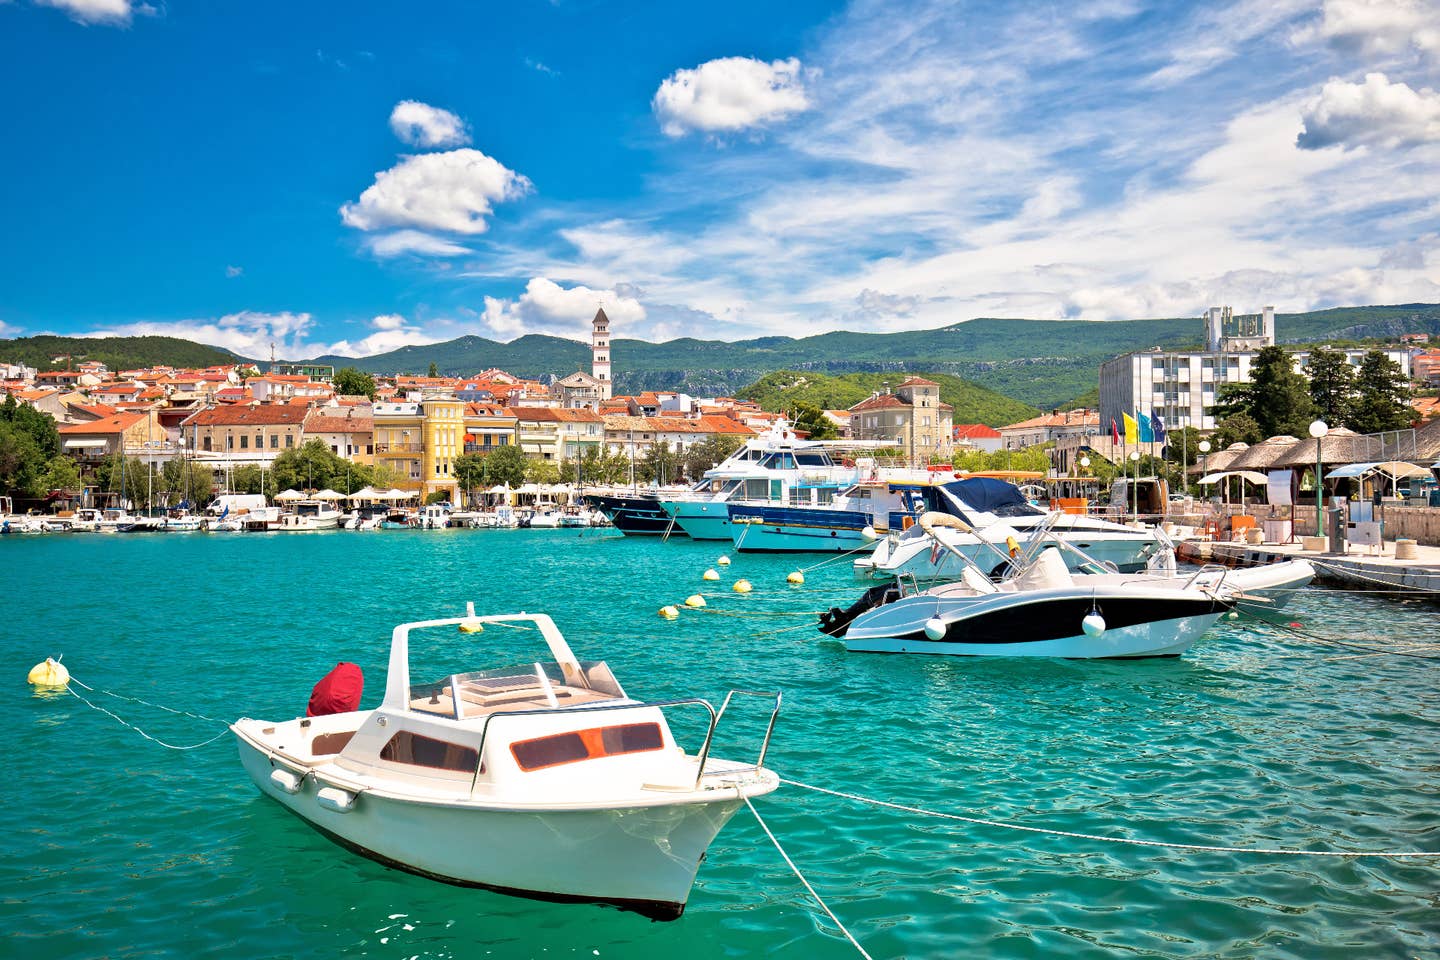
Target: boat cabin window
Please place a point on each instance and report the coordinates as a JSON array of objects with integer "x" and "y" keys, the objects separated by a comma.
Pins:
[
  {"x": 779, "y": 461},
  {"x": 552, "y": 751},
  {"x": 816, "y": 458},
  {"x": 757, "y": 489},
  {"x": 412, "y": 748}
]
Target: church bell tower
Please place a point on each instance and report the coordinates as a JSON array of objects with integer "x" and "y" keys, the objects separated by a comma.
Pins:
[{"x": 600, "y": 352}]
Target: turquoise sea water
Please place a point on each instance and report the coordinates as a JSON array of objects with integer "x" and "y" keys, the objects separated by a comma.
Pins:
[{"x": 116, "y": 847}]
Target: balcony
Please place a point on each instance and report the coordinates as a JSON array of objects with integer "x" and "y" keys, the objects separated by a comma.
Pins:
[
  {"x": 405, "y": 447},
  {"x": 484, "y": 447}
]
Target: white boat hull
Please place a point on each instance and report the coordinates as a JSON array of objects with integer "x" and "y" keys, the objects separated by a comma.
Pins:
[
  {"x": 641, "y": 858},
  {"x": 700, "y": 520}
]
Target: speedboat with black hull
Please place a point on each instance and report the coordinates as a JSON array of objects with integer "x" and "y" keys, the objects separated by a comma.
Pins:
[
  {"x": 1041, "y": 609},
  {"x": 997, "y": 510},
  {"x": 543, "y": 780},
  {"x": 635, "y": 515}
]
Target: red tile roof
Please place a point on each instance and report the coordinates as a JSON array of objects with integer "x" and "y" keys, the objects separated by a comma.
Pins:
[
  {"x": 975, "y": 431},
  {"x": 246, "y": 415},
  {"x": 115, "y": 423},
  {"x": 317, "y": 423}
]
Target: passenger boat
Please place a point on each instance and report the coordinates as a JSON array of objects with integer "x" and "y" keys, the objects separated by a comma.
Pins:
[
  {"x": 544, "y": 780},
  {"x": 776, "y": 469},
  {"x": 1040, "y": 609},
  {"x": 434, "y": 516},
  {"x": 995, "y": 510}
]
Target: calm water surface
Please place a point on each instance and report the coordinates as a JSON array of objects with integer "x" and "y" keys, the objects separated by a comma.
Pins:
[{"x": 116, "y": 847}]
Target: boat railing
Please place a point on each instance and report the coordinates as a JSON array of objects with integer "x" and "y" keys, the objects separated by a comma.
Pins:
[
  {"x": 1208, "y": 568},
  {"x": 703, "y": 755}
]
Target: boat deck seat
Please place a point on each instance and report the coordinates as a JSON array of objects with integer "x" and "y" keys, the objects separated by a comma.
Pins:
[{"x": 478, "y": 701}]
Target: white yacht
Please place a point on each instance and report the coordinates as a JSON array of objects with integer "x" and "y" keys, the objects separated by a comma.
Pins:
[
  {"x": 434, "y": 516},
  {"x": 775, "y": 468},
  {"x": 306, "y": 515},
  {"x": 544, "y": 780}
]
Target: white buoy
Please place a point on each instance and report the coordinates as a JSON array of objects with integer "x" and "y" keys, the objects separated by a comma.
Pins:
[
  {"x": 723, "y": 561},
  {"x": 51, "y": 673},
  {"x": 796, "y": 578},
  {"x": 868, "y": 534},
  {"x": 1234, "y": 615},
  {"x": 1093, "y": 624},
  {"x": 742, "y": 586},
  {"x": 670, "y": 611},
  {"x": 935, "y": 628},
  {"x": 710, "y": 575},
  {"x": 695, "y": 600}
]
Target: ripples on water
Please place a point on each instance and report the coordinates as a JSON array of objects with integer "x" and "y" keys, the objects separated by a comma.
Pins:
[{"x": 116, "y": 847}]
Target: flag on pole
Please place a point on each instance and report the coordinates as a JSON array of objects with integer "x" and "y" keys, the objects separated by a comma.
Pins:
[
  {"x": 1159, "y": 429},
  {"x": 1114, "y": 432},
  {"x": 1147, "y": 434},
  {"x": 1130, "y": 431}
]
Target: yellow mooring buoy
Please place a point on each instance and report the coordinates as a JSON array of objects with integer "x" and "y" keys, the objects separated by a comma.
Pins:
[
  {"x": 723, "y": 561},
  {"x": 710, "y": 575},
  {"x": 796, "y": 578},
  {"x": 670, "y": 611},
  {"x": 742, "y": 586},
  {"x": 695, "y": 600},
  {"x": 51, "y": 673},
  {"x": 472, "y": 626}
]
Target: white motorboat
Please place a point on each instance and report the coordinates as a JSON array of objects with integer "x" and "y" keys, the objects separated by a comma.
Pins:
[
  {"x": 544, "y": 780},
  {"x": 996, "y": 511},
  {"x": 86, "y": 520},
  {"x": 184, "y": 521},
  {"x": 434, "y": 516},
  {"x": 1040, "y": 609},
  {"x": 546, "y": 516},
  {"x": 310, "y": 515}
]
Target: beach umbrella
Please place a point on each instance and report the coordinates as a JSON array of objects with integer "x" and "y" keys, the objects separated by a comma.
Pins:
[
  {"x": 365, "y": 493},
  {"x": 328, "y": 494},
  {"x": 289, "y": 495}
]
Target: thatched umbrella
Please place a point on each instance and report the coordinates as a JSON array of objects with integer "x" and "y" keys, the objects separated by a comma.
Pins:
[
  {"x": 1221, "y": 459},
  {"x": 1262, "y": 456},
  {"x": 1425, "y": 450},
  {"x": 1338, "y": 446}
]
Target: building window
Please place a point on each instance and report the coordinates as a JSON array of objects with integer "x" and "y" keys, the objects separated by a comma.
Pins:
[
  {"x": 244, "y": 442},
  {"x": 274, "y": 441},
  {"x": 289, "y": 441},
  {"x": 229, "y": 442},
  {"x": 207, "y": 441},
  {"x": 259, "y": 441}
]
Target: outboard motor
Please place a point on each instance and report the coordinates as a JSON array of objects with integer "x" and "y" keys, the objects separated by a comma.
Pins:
[
  {"x": 338, "y": 691},
  {"x": 835, "y": 621}
]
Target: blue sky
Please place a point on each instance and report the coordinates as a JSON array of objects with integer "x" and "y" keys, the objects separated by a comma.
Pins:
[{"x": 353, "y": 177}]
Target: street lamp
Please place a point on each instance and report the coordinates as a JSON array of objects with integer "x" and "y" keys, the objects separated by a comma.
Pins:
[
  {"x": 1135, "y": 482},
  {"x": 1204, "y": 447},
  {"x": 1318, "y": 429}
]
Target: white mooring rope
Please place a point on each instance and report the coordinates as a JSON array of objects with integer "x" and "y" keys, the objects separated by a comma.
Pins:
[
  {"x": 126, "y": 723},
  {"x": 1126, "y": 840},
  {"x": 796, "y": 870}
]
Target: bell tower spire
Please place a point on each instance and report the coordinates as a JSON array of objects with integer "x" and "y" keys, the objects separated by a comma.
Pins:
[{"x": 600, "y": 352}]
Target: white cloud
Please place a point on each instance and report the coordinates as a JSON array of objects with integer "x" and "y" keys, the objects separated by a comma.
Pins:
[
  {"x": 451, "y": 191},
  {"x": 1375, "y": 27},
  {"x": 1217, "y": 35},
  {"x": 392, "y": 331},
  {"x": 414, "y": 242},
  {"x": 422, "y": 125},
  {"x": 248, "y": 333},
  {"x": 729, "y": 94},
  {"x": 232, "y": 271},
  {"x": 6, "y": 330},
  {"x": 110, "y": 12},
  {"x": 1374, "y": 112},
  {"x": 547, "y": 307}
]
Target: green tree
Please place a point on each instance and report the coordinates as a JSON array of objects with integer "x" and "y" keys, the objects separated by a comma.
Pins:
[
  {"x": 61, "y": 473},
  {"x": 471, "y": 473},
  {"x": 313, "y": 466},
  {"x": 434, "y": 369},
  {"x": 126, "y": 476},
  {"x": 183, "y": 479},
  {"x": 1276, "y": 398},
  {"x": 541, "y": 471},
  {"x": 40, "y": 426},
  {"x": 813, "y": 421},
  {"x": 251, "y": 479},
  {"x": 21, "y": 461},
  {"x": 660, "y": 464},
  {"x": 351, "y": 382},
  {"x": 1180, "y": 446},
  {"x": 1332, "y": 384},
  {"x": 506, "y": 465},
  {"x": 1238, "y": 428},
  {"x": 709, "y": 452},
  {"x": 1382, "y": 396}
]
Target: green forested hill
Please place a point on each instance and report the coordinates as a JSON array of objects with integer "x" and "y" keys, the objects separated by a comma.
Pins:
[
  {"x": 117, "y": 353},
  {"x": 783, "y": 389}
]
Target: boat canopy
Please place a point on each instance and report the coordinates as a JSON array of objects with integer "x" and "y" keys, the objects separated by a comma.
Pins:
[{"x": 986, "y": 495}]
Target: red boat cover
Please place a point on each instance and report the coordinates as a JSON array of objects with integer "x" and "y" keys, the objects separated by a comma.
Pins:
[{"x": 338, "y": 691}]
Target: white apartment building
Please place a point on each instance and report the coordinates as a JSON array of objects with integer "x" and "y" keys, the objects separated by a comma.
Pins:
[{"x": 1183, "y": 386}]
